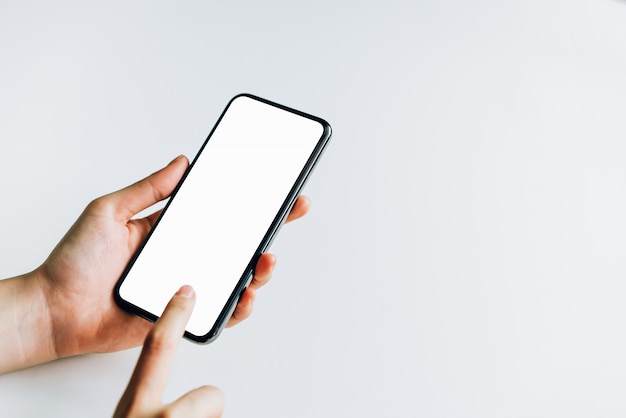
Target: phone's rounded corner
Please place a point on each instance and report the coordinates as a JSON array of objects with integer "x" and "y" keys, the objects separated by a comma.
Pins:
[
  {"x": 328, "y": 130},
  {"x": 225, "y": 315},
  {"x": 242, "y": 95},
  {"x": 205, "y": 339},
  {"x": 117, "y": 297}
]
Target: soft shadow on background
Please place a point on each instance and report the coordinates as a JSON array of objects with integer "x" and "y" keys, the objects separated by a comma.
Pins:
[{"x": 464, "y": 254}]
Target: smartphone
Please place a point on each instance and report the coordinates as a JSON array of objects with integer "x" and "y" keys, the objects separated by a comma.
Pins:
[{"x": 224, "y": 213}]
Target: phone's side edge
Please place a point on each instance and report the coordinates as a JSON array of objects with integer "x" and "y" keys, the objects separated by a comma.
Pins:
[{"x": 273, "y": 230}]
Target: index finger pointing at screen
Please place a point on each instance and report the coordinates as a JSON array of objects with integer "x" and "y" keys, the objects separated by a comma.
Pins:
[
  {"x": 144, "y": 395},
  {"x": 153, "y": 367}
]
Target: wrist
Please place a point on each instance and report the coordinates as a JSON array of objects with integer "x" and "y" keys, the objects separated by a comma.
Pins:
[{"x": 27, "y": 335}]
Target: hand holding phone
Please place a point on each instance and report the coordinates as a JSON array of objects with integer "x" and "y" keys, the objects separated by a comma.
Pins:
[{"x": 224, "y": 213}]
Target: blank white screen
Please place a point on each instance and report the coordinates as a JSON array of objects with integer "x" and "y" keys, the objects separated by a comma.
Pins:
[{"x": 221, "y": 213}]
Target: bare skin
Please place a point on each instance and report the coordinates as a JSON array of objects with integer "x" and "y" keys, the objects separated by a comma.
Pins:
[
  {"x": 144, "y": 395},
  {"x": 65, "y": 307}
]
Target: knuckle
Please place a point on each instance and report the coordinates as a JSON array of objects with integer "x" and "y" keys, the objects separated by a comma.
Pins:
[
  {"x": 216, "y": 396},
  {"x": 213, "y": 391},
  {"x": 100, "y": 204},
  {"x": 167, "y": 412},
  {"x": 263, "y": 279},
  {"x": 158, "y": 340}
]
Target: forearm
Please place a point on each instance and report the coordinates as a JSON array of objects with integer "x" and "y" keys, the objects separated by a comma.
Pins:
[{"x": 25, "y": 331}]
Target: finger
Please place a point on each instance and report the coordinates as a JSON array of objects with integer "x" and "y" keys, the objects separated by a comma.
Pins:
[
  {"x": 262, "y": 275},
  {"x": 153, "y": 367},
  {"x": 152, "y": 189},
  {"x": 299, "y": 209},
  {"x": 205, "y": 402},
  {"x": 143, "y": 225},
  {"x": 151, "y": 219},
  {"x": 263, "y": 271},
  {"x": 243, "y": 309}
]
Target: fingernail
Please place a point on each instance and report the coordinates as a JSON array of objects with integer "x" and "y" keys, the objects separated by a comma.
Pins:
[
  {"x": 176, "y": 159},
  {"x": 186, "y": 292}
]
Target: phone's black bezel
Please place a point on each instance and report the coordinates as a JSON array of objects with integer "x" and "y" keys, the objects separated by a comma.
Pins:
[{"x": 279, "y": 219}]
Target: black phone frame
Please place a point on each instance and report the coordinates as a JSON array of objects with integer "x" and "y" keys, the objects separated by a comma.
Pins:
[{"x": 267, "y": 240}]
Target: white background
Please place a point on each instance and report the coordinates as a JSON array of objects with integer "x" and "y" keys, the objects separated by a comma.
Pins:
[{"x": 464, "y": 254}]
